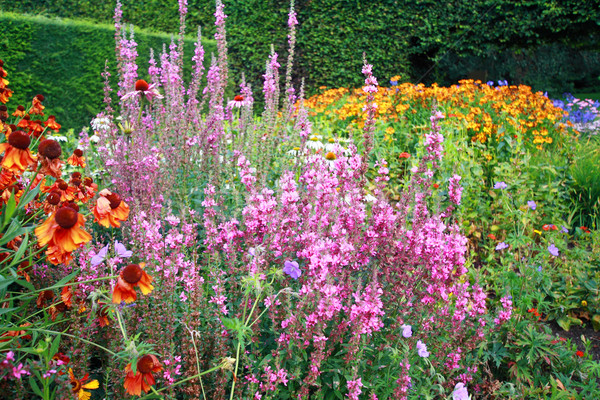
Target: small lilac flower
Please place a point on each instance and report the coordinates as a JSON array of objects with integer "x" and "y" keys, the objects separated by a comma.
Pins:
[
  {"x": 422, "y": 349},
  {"x": 553, "y": 250},
  {"x": 460, "y": 392},
  {"x": 539, "y": 268},
  {"x": 500, "y": 185},
  {"x": 501, "y": 246},
  {"x": 121, "y": 250},
  {"x": 490, "y": 83},
  {"x": 406, "y": 330},
  {"x": 252, "y": 251},
  {"x": 99, "y": 258},
  {"x": 532, "y": 204},
  {"x": 292, "y": 269},
  {"x": 564, "y": 229}
]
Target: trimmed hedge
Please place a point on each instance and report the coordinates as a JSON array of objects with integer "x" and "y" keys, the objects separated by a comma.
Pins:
[
  {"x": 63, "y": 60},
  {"x": 399, "y": 36}
]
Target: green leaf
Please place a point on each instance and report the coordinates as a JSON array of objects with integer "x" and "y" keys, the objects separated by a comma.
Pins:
[
  {"x": 9, "y": 209},
  {"x": 14, "y": 229},
  {"x": 29, "y": 196},
  {"x": 596, "y": 322},
  {"x": 34, "y": 386},
  {"x": 55, "y": 344},
  {"x": 564, "y": 323}
]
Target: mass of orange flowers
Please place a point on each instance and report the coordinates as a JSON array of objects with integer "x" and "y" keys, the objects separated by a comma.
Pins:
[{"x": 479, "y": 108}]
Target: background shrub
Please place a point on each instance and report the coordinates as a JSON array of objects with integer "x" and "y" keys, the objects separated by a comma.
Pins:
[
  {"x": 424, "y": 40},
  {"x": 63, "y": 61}
]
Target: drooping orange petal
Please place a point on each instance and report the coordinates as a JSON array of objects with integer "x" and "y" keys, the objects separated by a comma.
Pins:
[{"x": 123, "y": 291}]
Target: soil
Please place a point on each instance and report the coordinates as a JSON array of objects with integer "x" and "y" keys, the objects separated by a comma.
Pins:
[{"x": 575, "y": 334}]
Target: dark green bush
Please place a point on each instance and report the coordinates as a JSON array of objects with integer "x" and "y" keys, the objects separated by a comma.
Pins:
[
  {"x": 63, "y": 61},
  {"x": 532, "y": 42}
]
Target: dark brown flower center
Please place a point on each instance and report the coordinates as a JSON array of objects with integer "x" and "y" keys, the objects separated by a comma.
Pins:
[
  {"x": 73, "y": 206},
  {"x": 141, "y": 85},
  {"x": 145, "y": 364},
  {"x": 78, "y": 152},
  {"x": 88, "y": 181},
  {"x": 76, "y": 386},
  {"x": 76, "y": 175},
  {"x": 239, "y": 98},
  {"x": 40, "y": 97},
  {"x": 62, "y": 185},
  {"x": 19, "y": 139},
  {"x": 115, "y": 200},
  {"x": 132, "y": 273},
  {"x": 50, "y": 148},
  {"x": 53, "y": 198},
  {"x": 20, "y": 108},
  {"x": 66, "y": 217},
  {"x": 3, "y": 107}
]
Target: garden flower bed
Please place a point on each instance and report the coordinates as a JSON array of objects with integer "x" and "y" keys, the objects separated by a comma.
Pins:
[{"x": 396, "y": 242}]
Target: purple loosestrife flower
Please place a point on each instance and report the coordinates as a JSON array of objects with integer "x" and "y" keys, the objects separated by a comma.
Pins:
[
  {"x": 553, "y": 250},
  {"x": 460, "y": 392},
  {"x": 531, "y": 204},
  {"x": 564, "y": 229},
  {"x": 406, "y": 330},
  {"x": 501, "y": 246},
  {"x": 500, "y": 185},
  {"x": 422, "y": 349},
  {"x": 455, "y": 190},
  {"x": 292, "y": 269}
]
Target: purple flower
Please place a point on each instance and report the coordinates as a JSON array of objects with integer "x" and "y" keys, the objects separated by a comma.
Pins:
[
  {"x": 553, "y": 250},
  {"x": 99, "y": 258},
  {"x": 564, "y": 229},
  {"x": 460, "y": 392},
  {"x": 292, "y": 269},
  {"x": 539, "y": 268},
  {"x": 406, "y": 331},
  {"x": 532, "y": 204},
  {"x": 501, "y": 246},
  {"x": 490, "y": 83},
  {"x": 422, "y": 349},
  {"x": 121, "y": 250},
  {"x": 500, "y": 185}
]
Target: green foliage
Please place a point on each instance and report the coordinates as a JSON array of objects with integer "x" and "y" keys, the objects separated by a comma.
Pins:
[
  {"x": 429, "y": 40},
  {"x": 63, "y": 61}
]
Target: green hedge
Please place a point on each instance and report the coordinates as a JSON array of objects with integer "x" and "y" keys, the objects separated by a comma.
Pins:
[
  {"x": 399, "y": 36},
  {"x": 63, "y": 60}
]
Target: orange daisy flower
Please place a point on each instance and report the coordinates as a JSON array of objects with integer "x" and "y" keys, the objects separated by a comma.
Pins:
[
  {"x": 142, "y": 379},
  {"x": 35, "y": 128},
  {"x": 63, "y": 230},
  {"x": 110, "y": 209},
  {"x": 66, "y": 295},
  {"x": 77, "y": 159},
  {"x": 131, "y": 276},
  {"x": 77, "y": 386},
  {"x": 52, "y": 124},
  {"x": 17, "y": 156},
  {"x": 56, "y": 256},
  {"x": 20, "y": 111},
  {"x": 5, "y": 94},
  {"x": 24, "y": 123},
  {"x": 50, "y": 151},
  {"x": 36, "y": 105}
]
